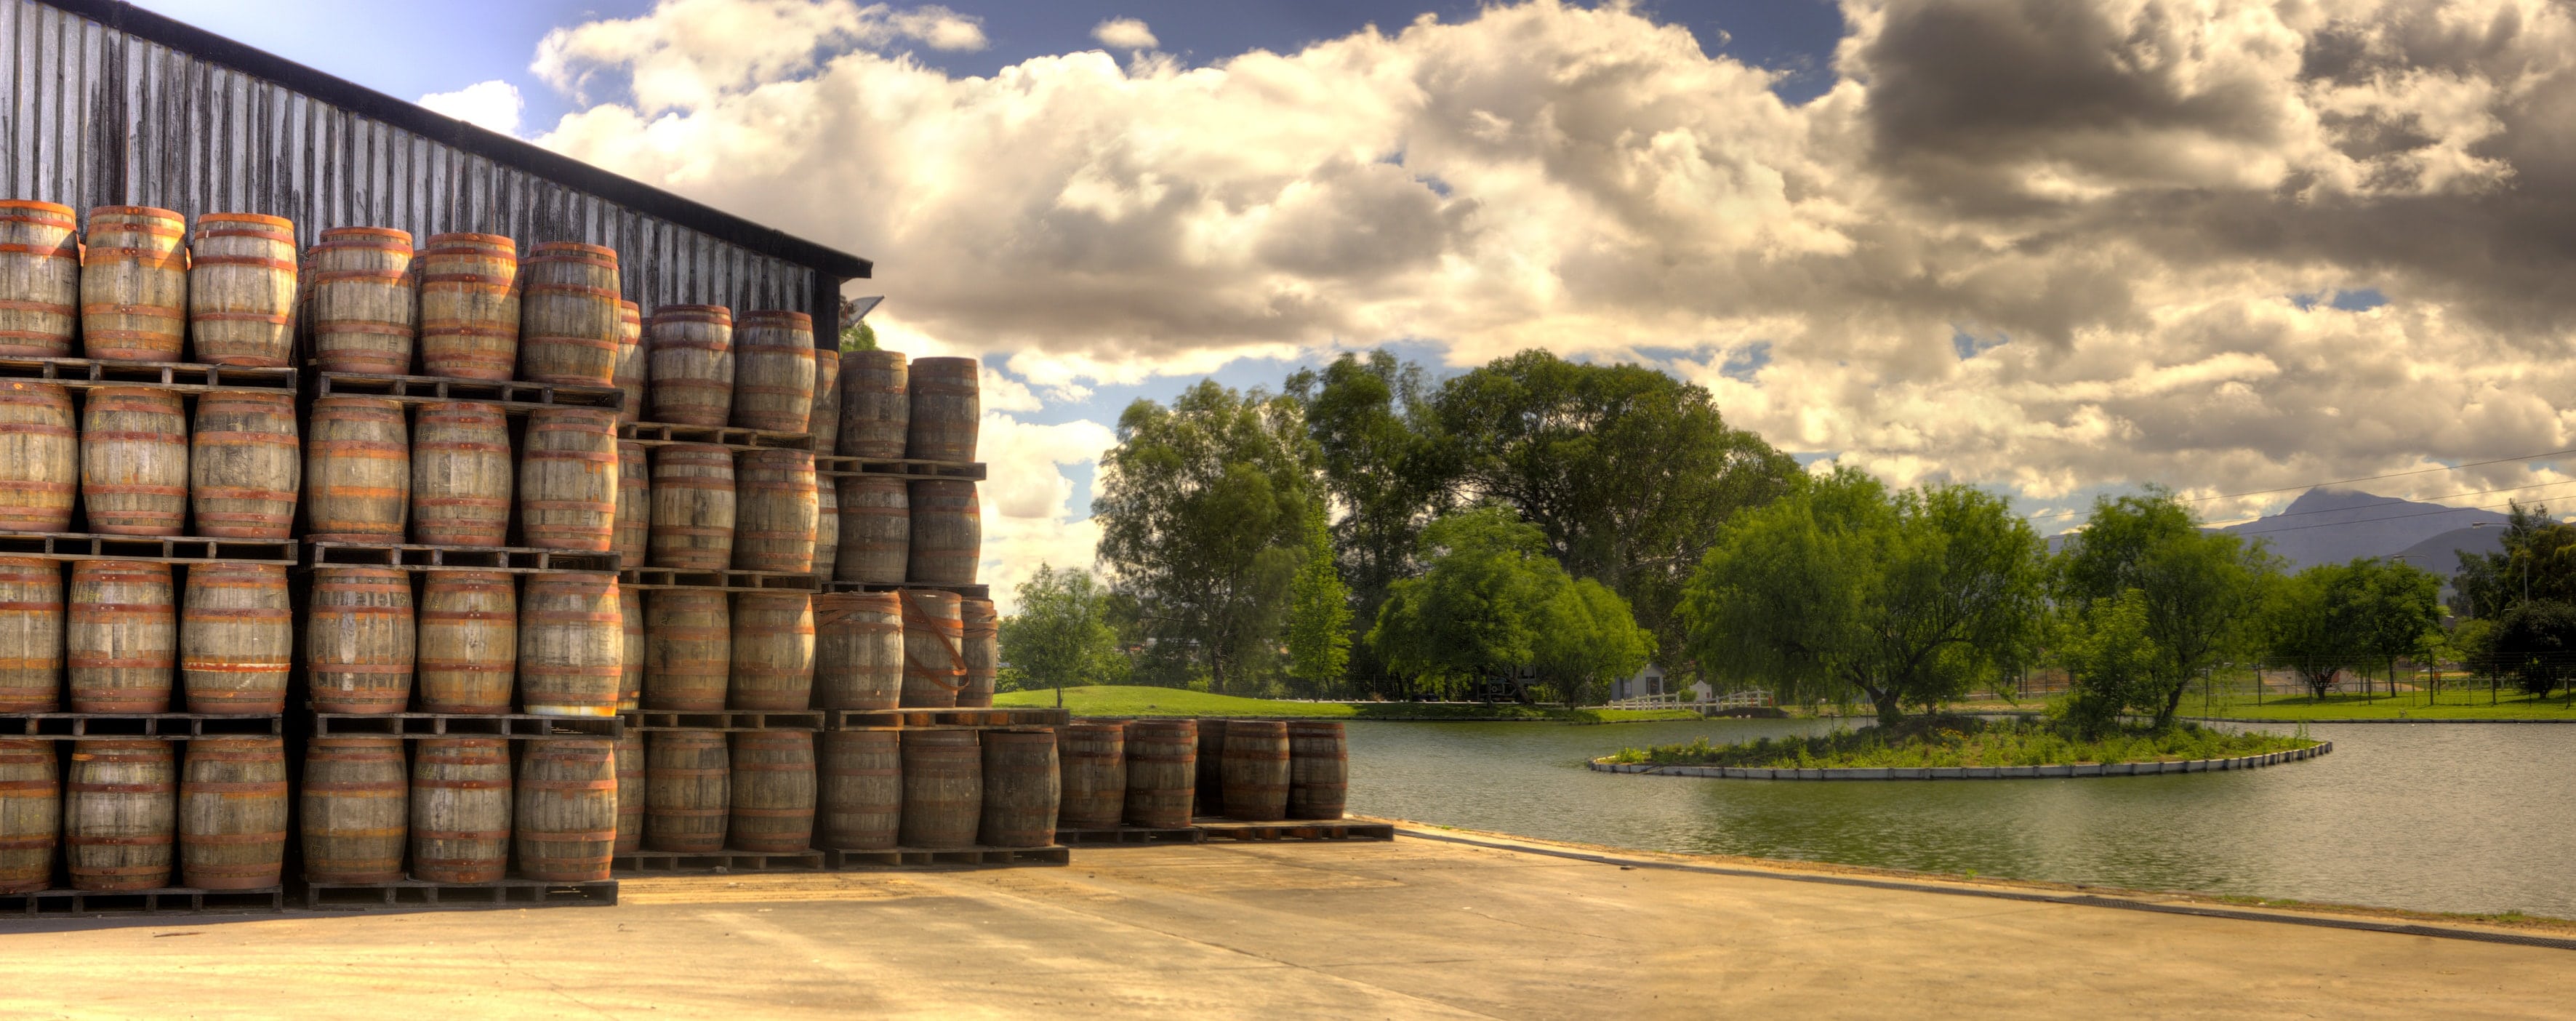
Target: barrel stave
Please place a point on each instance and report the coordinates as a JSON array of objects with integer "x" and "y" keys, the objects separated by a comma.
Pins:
[
  {"x": 121, "y": 638},
  {"x": 469, "y": 306},
  {"x": 469, "y": 641},
  {"x": 245, "y": 465},
  {"x": 236, "y": 639},
  {"x": 365, "y": 300},
  {"x": 461, "y": 475},
  {"x": 360, "y": 640},
  {"x": 134, "y": 461}
]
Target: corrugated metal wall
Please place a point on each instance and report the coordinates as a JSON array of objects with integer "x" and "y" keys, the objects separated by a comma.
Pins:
[{"x": 96, "y": 117}]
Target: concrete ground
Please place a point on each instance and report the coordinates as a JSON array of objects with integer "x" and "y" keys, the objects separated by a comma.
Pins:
[{"x": 1415, "y": 928}]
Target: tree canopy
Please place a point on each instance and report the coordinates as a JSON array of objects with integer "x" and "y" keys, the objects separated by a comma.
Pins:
[
  {"x": 2335, "y": 617},
  {"x": 2195, "y": 588},
  {"x": 1060, "y": 635},
  {"x": 1492, "y": 602}
]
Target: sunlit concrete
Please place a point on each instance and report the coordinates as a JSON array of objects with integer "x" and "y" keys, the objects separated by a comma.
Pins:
[{"x": 1416, "y": 928}]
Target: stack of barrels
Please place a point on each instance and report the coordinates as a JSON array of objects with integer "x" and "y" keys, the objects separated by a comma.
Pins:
[
  {"x": 1160, "y": 774},
  {"x": 918, "y": 531}
]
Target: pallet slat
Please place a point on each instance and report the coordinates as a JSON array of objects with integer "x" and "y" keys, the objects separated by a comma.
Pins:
[
  {"x": 719, "y": 861},
  {"x": 657, "y": 719},
  {"x": 514, "y": 396},
  {"x": 184, "y": 377},
  {"x": 837, "y": 466},
  {"x": 416, "y": 557},
  {"x": 853, "y": 719},
  {"x": 172, "y": 900},
  {"x": 522, "y": 726},
  {"x": 726, "y": 581},
  {"x": 174, "y": 726},
  {"x": 655, "y": 434},
  {"x": 172, "y": 549},
  {"x": 412, "y": 893},
  {"x": 972, "y": 591}
]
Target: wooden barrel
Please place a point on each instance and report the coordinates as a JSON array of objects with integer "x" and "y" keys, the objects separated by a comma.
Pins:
[
  {"x": 688, "y": 790},
  {"x": 1211, "y": 781},
  {"x": 945, "y": 410},
  {"x": 1162, "y": 772},
  {"x": 134, "y": 461},
  {"x": 236, "y": 639},
  {"x": 947, "y": 533},
  {"x": 876, "y": 530},
  {"x": 858, "y": 650},
  {"x": 245, "y": 465},
  {"x": 566, "y": 826},
  {"x": 31, "y": 635},
  {"x": 630, "y": 648},
  {"x": 1021, "y": 788},
  {"x": 460, "y": 810},
  {"x": 934, "y": 658},
  {"x": 876, "y": 404},
  {"x": 121, "y": 640},
  {"x": 461, "y": 475},
  {"x": 469, "y": 641},
  {"x": 469, "y": 306},
  {"x": 365, "y": 302},
  {"x": 1256, "y": 770},
  {"x": 631, "y": 374},
  {"x": 688, "y": 351},
  {"x": 359, "y": 638},
  {"x": 981, "y": 629},
  {"x": 1091, "y": 764},
  {"x": 824, "y": 418},
  {"x": 827, "y": 528},
  {"x": 39, "y": 280},
  {"x": 31, "y": 814},
  {"x": 354, "y": 811},
  {"x": 774, "y": 511},
  {"x": 120, "y": 814},
  {"x": 943, "y": 788},
  {"x": 773, "y": 371},
  {"x": 134, "y": 285},
  {"x": 39, "y": 458},
  {"x": 630, "y": 792},
  {"x": 634, "y": 506},
  {"x": 859, "y": 789},
  {"x": 232, "y": 813},
  {"x": 241, "y": 289},
  {"x": 357, "y": 470},
  {"x": 572, "y": 660},
  {"x": 568, "y": 480},
  {"x": 773, "y": 652},
  {"x": 773, "y": 791},
  {"x": 688, "y": 649},
  {"x": 693, "y": 508},
  {"x": 1319, "y": 769},
  {"x": 568, "y": 314}
]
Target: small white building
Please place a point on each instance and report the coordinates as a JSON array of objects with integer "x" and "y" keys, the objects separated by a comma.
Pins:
[{"x": 1649, "y": 681}]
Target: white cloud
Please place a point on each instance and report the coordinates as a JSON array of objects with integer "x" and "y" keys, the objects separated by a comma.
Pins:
[
  {"x": 2116, "y": 197},
  {"x": 1125, "y": 34},
  {"x": 494, "y": 105},
  {"x": 1027, "y": 498}
]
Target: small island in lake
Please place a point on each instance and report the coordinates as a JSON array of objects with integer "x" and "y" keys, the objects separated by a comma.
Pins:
[{"x": 1944, "y": 741}]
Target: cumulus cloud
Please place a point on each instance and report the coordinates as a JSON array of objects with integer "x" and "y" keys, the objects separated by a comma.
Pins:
[
  {"x": 1027, "y": 499},
  {"x": 1125, "y": 34},
  {"x": 494, "y": 104},
  {"x": 2044, "y": 244}
]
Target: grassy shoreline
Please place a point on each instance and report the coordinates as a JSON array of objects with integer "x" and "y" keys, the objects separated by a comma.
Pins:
[
  {"x": 1943, "y": 741},
  {"x": 1143, "y": 701}
]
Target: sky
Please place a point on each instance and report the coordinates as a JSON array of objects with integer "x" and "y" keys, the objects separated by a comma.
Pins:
[{"x": 2056, "y": 248}]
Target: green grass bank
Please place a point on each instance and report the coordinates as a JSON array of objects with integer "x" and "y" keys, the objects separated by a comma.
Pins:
[
  {"x": 1966, "y": 741},
  {"x": 1137, "y": 700}
]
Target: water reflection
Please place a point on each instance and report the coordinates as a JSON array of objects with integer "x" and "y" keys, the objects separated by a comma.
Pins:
[{"x": 2437, "y": 818}]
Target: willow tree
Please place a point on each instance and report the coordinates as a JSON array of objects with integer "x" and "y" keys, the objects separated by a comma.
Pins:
[{"x": 1907, "y": 598}]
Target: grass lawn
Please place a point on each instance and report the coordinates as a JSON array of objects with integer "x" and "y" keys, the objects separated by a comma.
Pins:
[
  {"x": 1965, "y": 741},
  {"x": 1136, "y": 700},
  {"x": 2454, "y": 705}
]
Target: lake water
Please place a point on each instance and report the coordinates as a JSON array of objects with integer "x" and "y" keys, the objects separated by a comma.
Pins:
[{"x": 2459, "y": 817}]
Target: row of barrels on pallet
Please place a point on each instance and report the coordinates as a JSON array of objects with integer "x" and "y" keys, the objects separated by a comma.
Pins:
[
  {"x": 141, "y": 285},
  {"x": 790, "y": 652},
  {"x": 1159, "y": 773},
  {"x": 869, "y": 789},
  {"x": 705, "y": 507},
  {"x": 123, "y": 812},
  {"x": 926, "y": 409},
  {"x": 142, "y": 461}
]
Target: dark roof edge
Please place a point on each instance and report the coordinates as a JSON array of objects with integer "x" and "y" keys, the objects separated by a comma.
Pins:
[{"x": 492, "y": 145}]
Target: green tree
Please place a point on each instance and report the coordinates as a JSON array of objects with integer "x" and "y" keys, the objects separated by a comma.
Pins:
[
  {"x": 1319, "y": 611},
  {"x": 1629, "y": 473},
  {"x": 858, "y": 336},
  {"x": 2537, "y": 560},
  {"x": 2196, "y": 587},
  {"x": 2534, "y": 645},
  {"x": 1061, "y": 635},
  {"x": 2336, "y": 617},
  {"x": 1384, "y": 464},
  {"x": 2111, "y": 660},
  {"x": 1588, "y": 638},
  {"x": 1202, "y": 508},
  {"x": 1907, "y": 598},
  {"x": 1492, "y": 603}
]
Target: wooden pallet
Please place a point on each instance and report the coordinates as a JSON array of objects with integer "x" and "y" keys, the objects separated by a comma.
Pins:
[
  {"x": 656, "y": 434},
  {"x": 723, "y": 581},
  {"x": 506, "y": 893},
  {"x": 1131, "y": 835},
  {"x": 1293, "y": 829},
  {"x": 170, "y": 549},
  {"x": 663, "y": 719},
  {"x": 871, "y": 719},
  {"x": 520, "y": 726},
  {"x": 416, "y": 557},
  {"x": 513, "y": 397},
  {"x": 918, "y": 857},
  {"x": 903, "y": 468},
  {"x": 184, "y": 377},
  {"x": 719, "y": 861},
  {"x": 974, "y": 591},
  {"x": 173, "y": 726},
  {"x": 169, "y": 900}
]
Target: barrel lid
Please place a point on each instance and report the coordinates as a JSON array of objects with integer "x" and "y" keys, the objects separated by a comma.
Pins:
[
  {"x": 145, "y": 211},
  {"x": 945, "y": 364},
  {"x": 42, "y": 207},
  {"x": 697, "y": 313},
  {"x": 261, "y": 219},
  {"x": 543, "y": 249},
  {"x": 797, "y": 319},
  {"x": 881, "y": 357},
  {"x": 366, "y": 233},
  {"x": 473, "y": 240}
]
